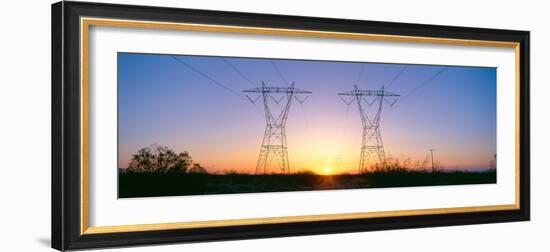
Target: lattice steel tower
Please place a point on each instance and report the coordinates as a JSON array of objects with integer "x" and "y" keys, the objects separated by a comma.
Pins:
[
  {"x": 372, "y": 147},
  {"x": 277, "y": 102}
]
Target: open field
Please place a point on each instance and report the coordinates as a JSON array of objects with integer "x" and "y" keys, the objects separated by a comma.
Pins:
[{"x": 173, "y": 184}]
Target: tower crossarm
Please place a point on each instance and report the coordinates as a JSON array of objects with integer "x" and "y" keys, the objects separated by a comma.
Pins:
[
  {"x": 279, "y": 90},
  {"x": 358, "y": 92}
]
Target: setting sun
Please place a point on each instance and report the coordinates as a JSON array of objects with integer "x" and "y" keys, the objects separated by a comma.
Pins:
[{"x": 327, "y": 171}]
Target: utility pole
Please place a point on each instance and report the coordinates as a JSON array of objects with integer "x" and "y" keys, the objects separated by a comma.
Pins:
[
  {"x": 338, "y": 165},
  {"x": 432, "y": 154},
  {"x": 274, "y": 146},
  {"x": 372, "y": 148}
]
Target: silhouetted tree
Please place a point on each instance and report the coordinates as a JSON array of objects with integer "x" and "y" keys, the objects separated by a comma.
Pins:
[
  {"x": 197, "y": 169},
  {"x": 159, "y": 159}
]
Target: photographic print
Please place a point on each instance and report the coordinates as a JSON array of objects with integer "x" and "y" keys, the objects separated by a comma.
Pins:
[{"x": 195, "y": 125}]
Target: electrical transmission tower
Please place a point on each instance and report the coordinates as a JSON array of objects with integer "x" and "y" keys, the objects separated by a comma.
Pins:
[
  {"x": 277, "y": 102},
  {"x": 372, "y": 147}
]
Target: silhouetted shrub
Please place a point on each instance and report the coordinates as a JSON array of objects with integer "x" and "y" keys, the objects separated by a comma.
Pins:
[{"x": 161, "y": 159}]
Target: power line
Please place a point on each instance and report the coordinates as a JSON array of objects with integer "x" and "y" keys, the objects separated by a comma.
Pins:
[
  {"x": 397, "y": 76},
  {"x": 208, "y": 77},
  {"x": 360, "y": 74},
  {"x": 278, "y": 72},
  {"x": 424, "y": 83},
  {"x": 237, "y": 70}
]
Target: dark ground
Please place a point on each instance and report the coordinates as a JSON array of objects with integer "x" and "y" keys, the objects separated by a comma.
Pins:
[{"x": 156, "y": 184}]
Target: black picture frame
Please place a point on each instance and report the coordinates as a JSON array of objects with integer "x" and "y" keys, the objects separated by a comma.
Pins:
[{"x": 66, "y": 123}]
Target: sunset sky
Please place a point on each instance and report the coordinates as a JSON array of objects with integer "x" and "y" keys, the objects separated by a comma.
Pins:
[{"x": 163, "y": 101}]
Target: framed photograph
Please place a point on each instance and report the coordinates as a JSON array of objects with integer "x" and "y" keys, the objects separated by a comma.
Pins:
[{"x": 180, "y": 125}]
